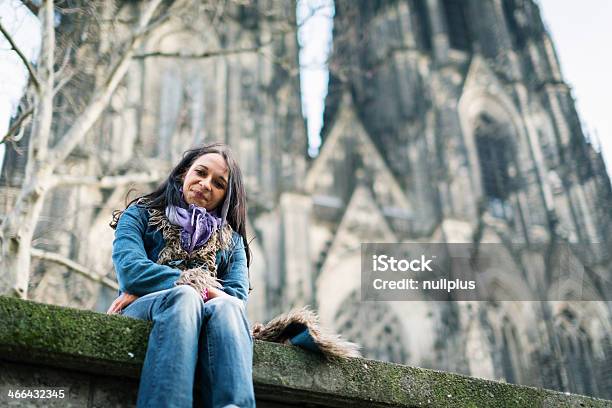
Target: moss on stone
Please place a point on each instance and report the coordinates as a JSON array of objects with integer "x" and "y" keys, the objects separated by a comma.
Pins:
[
  {"x": 360, "y": 382},
  {"x": 94, "y": 342},
  {"x": 81, "y": 339}
]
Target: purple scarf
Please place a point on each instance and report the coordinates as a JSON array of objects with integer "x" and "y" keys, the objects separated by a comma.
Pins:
[{"x": 197, "y": 225}]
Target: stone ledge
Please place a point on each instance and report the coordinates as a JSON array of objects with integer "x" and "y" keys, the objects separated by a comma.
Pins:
[{"x": 83, "y": 341}]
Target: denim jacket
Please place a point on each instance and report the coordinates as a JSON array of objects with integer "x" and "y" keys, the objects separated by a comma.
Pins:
[{"x": 136, "y": 249}]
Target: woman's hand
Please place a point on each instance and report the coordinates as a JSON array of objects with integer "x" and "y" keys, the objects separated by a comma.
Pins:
[
  {"x": 213, "y": 293},
  {"x": 121, "y": 303}
]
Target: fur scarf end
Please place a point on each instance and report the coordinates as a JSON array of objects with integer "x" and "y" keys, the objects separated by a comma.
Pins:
[{"x": 285, "y": 326}]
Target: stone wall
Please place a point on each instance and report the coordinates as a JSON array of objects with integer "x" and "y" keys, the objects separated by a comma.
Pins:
[{"x": 96, "y": 358}]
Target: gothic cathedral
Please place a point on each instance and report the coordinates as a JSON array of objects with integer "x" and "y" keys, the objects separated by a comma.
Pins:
[{"x": 446, "y": 121}]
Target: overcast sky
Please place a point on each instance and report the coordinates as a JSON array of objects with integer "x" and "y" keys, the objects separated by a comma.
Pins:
[
  {"x": 582, "y": 33},
  {"x": 25, "y": 30}
]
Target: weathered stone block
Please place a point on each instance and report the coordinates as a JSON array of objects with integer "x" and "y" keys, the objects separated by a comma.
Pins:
[{"x": 96, "y": 358}]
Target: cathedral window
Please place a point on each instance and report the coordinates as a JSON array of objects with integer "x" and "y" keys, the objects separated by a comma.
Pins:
[
  {"x": 576, "y": 355},
  {"x": 494, "y": 147},
  {"x": 456, "y": 23},
  {"x": 515, "y": 20},
  {"x": 375, "y": 327},
  {"x": 510, "y": 353},
  {"x": 421, "y": 24}
]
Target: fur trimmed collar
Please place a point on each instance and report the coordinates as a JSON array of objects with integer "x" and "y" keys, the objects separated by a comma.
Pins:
[{"x": 198, "y": 269}]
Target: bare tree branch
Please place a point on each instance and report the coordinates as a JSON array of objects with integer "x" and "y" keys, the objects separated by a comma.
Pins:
[
  {"x": 31, "y": 6},
  {"x": 65, "y": 62},
  {"x": 17, "y": 124},
  {"x": 65, "y": 79},
  {"x": 314, "y": 12},
  {"x": 17, "y": 228},
  {"x": 206, "y": 54},
  {"x": 42, "y": 124},
  {"x": 283, "y": 63},
  {"x": 108, "y": 181},
  {"x": 74, "y": 266},
  {"x": 102, "y": 96},
  {"x": 22, "y": 57}
]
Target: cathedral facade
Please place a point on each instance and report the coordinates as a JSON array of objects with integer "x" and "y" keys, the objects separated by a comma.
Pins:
[{"x": 447, "y": 121}]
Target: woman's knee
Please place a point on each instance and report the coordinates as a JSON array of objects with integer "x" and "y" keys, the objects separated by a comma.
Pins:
[
  {"x": 227, "y": 309},
  {"x": 184, "y": 296},
  {"x": 228, "y": 315},
  {"x": 227, "y": 304}
]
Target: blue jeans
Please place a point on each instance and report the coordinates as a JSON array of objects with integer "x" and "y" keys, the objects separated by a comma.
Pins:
[{"x": 188, "y": 335}]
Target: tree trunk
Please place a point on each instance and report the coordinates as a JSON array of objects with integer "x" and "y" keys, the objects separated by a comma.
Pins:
[
  {"x": 16, "y": 234},
  {"x": 17, "y": 229}
]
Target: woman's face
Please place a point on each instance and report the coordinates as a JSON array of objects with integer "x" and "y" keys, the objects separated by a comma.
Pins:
[{"x": 205, "y": 182}]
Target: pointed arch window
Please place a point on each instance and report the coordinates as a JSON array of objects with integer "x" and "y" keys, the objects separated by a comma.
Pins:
[
  {"x": 495, "y": 154},
  {"x": 576, "y": 355},
  {"x": 421, "y": 22},
  {"x": 514, "y": 16},
  {"x": 456, "y": 23}
]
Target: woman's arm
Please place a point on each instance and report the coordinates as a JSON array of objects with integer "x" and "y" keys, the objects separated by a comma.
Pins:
[
  {"x": 236, "y": 280},
  {"x": 136, "y": 273}
]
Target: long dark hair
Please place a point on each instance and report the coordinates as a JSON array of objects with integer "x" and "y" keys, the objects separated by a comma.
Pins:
[{"x": 234, "y": 208}]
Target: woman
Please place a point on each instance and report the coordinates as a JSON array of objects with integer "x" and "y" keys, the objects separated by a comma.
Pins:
[{"x": 181, "y": 257}]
